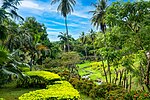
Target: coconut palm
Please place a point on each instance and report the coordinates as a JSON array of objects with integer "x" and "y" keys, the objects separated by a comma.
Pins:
[
  {"x": 63, "y": 40},
  {"x": 98, "y": 19},
  {"x": 83, "y": 40},
  {"x": 65, "y": 7},
  {"x": 11, "y": 7},
  {"x": 93, "y": 38}
]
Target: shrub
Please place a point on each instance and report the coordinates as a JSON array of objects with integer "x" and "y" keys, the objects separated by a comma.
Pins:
[
  {"x": 137, "y": 95},
  {"x": 65, "y": 74},
  {"x": 53, "y": 63},
  {"x": 61, "y": 90},
  {"x": 24, "y": 69},
  {"x": 38, "y": 79},
  {"x": 83, "y": 86},
  {"x": 107, "y": 91},
  {"x": 116, "y": 94}
]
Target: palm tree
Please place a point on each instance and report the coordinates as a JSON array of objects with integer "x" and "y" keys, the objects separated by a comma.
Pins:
[
  {"x": 93, "y": 38},
  {"x": 8, "y": 66},
  {"x": 65, "y": 7},
  {"x": 98, "y": 19},
  {"x": 11, "y": 7},
  {"x": 83, "y": 39},
  {"x": 63, "y": 40}
]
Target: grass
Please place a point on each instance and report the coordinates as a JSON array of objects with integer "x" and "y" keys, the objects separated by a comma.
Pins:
[
  {"x": 92, "y": 68},
  {"x": 10, "y": 92},
  {"x": 85, "y": 97},
  {"x": 95, "y": 70}
]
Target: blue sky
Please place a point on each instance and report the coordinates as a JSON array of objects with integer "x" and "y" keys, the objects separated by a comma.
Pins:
[
  {"x": 78, "y": 21},
  {"x": 47, "y": 14}
]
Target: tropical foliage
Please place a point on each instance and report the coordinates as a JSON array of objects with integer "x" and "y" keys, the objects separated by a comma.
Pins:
[
  {"x": 38, "y": 79},
  {"x": 60, "y": 90},
  {"x": 111, "y": 61}
]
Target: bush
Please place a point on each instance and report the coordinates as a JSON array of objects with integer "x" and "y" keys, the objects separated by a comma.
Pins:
[
  {"x": 107, "y": 91},
  {"x": 51, "y": 63},
  {"x": 116, "y": 94},
  {"x": 24, "y": 69},
  {"x": 137, "y": 95},
  {"x": 61, "y": 90},
  {"x": 38, "y": 79},
  {"x": 83, "y": 86},
  {"x": 103, "y": 91}
]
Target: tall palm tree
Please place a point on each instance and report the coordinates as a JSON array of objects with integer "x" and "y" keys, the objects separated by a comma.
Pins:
[
  {"x": 93, "y": 38},
  {"x": 11, "y": 7},
  {"x": 63, "y": 40},
  {"x": 83, "y": 39},
  {"x": 65, "y": 7},
  {"x": 98, "y": 19}
]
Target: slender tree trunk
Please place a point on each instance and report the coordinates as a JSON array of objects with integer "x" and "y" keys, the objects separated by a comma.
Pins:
[
  {"x": 124, "y": 79},
  {"x": 64, "y": 47},
  {"x": 94, "y": 52},
  {"x": 68, "y": 47},
  {"x": 85, "y": 52},
  {"x": 116, "y": 76},
  {"x": 130, "y": 83},
  {"x": 147, "y": 75},
  {"x": 104, "y": 71},
  {"x": 127, "y": 84},
  {"x": 109, "y": 71},
  {"x": 121, "y": 72},
  {"x": 141, "y": 75}
]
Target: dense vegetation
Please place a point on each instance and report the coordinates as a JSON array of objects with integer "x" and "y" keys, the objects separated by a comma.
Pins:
[{"x": 110, "y": 63}]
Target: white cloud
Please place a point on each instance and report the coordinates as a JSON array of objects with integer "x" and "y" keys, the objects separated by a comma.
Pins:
[
  {"x": 45, "y": 13},
  {"x": 53, "y": 36},
  {"x": 62, "y": 24},
  {"x": 30, "y": 4},
  {"x": 58, "y": 23},
  {"x": 1, "y": 3},
  {"x": 54, "y": 29},
  {"x": 78, "y": 14},
  {"x": 51, "y": 29},
  {"x": 51, "y": 33}
]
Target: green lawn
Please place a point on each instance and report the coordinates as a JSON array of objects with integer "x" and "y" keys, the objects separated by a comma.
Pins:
[
  {"x": 10, "y": 92},
  {"x": 84, "y": 97},
  {"x": 95, "y": 70},
  {"x": 92, "y": 68}
]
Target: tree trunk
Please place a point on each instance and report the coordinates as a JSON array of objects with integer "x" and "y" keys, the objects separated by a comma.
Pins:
[
  {"x": 67, "y": 34},
  {"x": 104, "y": 71},
  {"x": 130, "y": 83},
  {"x": 147, "y": 75},
  {"x": 94, "y": 52},
  {"x": 109, "y": 71},
  {"x": 121, "y": 72},
  {"x": 85, "y": 52},
  {"x": 64, "y": 47},
  {"x": 127, "y": 84},
  {"x": 124, "y": 79},
  {"x": 116, "y": 76}
]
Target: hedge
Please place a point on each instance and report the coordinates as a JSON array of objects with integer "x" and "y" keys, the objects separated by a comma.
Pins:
[
  {"x": 38, "y": 79},
  {"x": 61, "y": 90}
]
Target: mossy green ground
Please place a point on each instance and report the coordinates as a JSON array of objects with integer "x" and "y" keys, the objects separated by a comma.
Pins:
[
  {"x": 10, "y": 92},
  {"x": 95, "y": 70}
]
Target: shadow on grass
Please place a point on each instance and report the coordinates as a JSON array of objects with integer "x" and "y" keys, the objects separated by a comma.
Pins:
[{"x": 11, "y": 92}]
